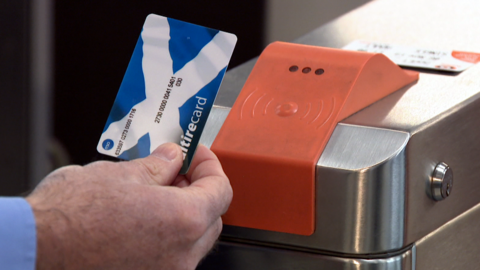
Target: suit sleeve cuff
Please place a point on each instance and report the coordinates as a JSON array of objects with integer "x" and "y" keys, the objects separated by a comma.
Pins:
[{"x": 18, "y": 240}]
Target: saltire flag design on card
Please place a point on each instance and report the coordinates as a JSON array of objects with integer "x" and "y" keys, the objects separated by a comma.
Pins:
[{"x": 168, "y": 89}]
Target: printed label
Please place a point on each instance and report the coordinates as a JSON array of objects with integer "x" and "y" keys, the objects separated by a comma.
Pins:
[
  {"x": 454, "y": 61},
  {"x": 168, "y": 89}
]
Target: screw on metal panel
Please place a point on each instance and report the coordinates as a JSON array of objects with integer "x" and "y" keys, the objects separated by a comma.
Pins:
[{"x": 441, "y": 182}]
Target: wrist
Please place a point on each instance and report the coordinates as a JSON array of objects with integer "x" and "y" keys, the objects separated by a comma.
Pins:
[{"x": 51, "y": 225}]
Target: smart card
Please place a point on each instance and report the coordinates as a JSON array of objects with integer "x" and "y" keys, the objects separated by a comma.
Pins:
[{"x": 168, "y": 89}]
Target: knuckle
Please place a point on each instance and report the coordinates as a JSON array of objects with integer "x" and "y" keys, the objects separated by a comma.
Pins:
[
  {"x": 229, "y": 192},
  {"x": 218, "y": 227},
  {"x": 68, "y": 169},
  {"x": 149, "y": 168},
  {"x": 214, "y": 206},
  {"x": 220, "y": 200}
]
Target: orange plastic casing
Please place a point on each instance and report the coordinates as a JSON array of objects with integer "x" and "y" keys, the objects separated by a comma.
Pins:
[{"x": 283, "y": 118}]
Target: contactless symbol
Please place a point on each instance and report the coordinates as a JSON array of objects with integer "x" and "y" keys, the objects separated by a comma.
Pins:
[
  {"x": 286, "y": 109},
  {"x": 316, "y": 112},
  {"x": 107, "y": 144}
]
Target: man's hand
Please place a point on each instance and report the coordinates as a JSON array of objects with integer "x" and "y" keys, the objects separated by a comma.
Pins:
[{"x": 131, "y": 215}]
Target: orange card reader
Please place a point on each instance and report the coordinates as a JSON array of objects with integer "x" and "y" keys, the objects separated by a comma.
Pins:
[{"x": 282, "y": 120}]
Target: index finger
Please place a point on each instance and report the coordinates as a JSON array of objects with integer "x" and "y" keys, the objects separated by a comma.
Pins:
[{"x": 209, "y": 182}]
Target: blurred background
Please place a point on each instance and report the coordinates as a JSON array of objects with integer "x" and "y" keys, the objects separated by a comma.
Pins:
[{"x": 61, "y": 63}]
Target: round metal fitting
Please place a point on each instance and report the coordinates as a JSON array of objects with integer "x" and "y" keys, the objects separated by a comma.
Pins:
[{"x": 441, "y": 182}]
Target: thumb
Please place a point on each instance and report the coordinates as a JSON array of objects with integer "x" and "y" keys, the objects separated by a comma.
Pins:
[{"x": 162, "y": 166}]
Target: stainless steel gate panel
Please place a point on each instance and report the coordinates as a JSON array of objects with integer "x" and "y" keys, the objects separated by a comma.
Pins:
[
  {"x": 235, "y": 256},
  {"x": 373, "y": 193}
]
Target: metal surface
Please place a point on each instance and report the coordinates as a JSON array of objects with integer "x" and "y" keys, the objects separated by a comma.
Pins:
[
  {"x": 232, "y": 84},
  {"x": 455, "y": 245},
  {"x": 455, "y": 129},
  {"x": 214, "y": 123},
  {"x": 234, "y": 256},
  {"x": 350, "y": 187},
  {"x": 357, "y": 210},
  {"x": 441, "y": 183},
  {"x": 367, "y": 203},
  {"x": 452, "y": 246},
  {"x": 428, "y": 24}
]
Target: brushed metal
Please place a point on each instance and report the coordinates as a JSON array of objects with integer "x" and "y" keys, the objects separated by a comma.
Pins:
[
  {"x": 233, "y": 83},
  {"x": 430, "y": 24},
  {"x": 360, "y": 195},
  {"x": 455, "y": 245},
  {"x": 214, "y": 123},
  {"x": 235, "y": 256},
  {"x": 359, "y": 148},
  {"x": 439, "y": 116}
]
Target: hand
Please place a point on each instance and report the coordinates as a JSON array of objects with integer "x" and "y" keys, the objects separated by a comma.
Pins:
[{"x": 138, "y": 214}]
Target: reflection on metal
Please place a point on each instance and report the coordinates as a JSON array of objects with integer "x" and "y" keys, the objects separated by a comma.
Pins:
[
  {"x": 232, "y": 84},
  {"x": 377, "y": 167},
  {"x": 360, "y": 195},
  {"x": 234, "y": 256},
  {"x": 214, "y": 123},
  {"x": 442, "y": 182},
  {"x": 359, "y": 148},
  {"x": 455, "y": 245}
]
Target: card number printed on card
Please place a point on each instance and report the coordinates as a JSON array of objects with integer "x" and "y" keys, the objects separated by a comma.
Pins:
[{"x": 168, "y": 89}]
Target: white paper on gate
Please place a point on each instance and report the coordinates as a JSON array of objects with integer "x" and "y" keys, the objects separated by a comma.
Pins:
[{"x": 453, "y": 61}]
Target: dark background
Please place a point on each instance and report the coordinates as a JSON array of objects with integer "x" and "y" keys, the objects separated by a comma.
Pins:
[
  {"x": 14, "y": 81},
  {"x": 94, "y": 43}
]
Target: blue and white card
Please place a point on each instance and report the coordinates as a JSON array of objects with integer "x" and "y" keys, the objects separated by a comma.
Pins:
[{"x": 168, "y": 89}]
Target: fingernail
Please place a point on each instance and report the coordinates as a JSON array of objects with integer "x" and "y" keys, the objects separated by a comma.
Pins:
[{"x": 167, "y": 152}]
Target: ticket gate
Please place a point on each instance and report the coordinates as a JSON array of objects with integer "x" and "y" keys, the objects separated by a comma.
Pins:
[{"x": 395, "y": 183}]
